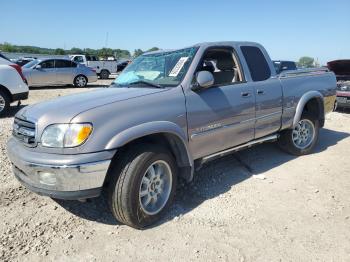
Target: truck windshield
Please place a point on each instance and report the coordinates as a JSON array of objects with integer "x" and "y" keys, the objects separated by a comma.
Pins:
[{"x": 157, "y": 69}]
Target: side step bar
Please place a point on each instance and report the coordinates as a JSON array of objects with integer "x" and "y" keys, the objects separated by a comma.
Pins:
[{"x": 270, "y": 138}]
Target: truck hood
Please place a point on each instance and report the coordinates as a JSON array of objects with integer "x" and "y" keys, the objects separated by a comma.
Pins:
[{"x": 65, "y": 108}]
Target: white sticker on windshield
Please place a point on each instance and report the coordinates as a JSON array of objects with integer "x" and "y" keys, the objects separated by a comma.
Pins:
[{"x": 177, "y": 68}]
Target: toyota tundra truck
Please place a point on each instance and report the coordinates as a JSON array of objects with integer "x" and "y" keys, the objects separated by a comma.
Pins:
[{"x": 168, "y": 113}]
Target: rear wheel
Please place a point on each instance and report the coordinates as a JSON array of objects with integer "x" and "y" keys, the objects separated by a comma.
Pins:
[
  {"x": 4, "y": 103},
  {"x": 104, "y": 74},
  {"x": 80, "y": 81},
  {"x": 302, "y": 138},
  {"x": 142, "y": 185}
]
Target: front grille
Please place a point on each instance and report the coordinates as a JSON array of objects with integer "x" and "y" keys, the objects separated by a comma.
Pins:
[{"x": 24, "y": 131}]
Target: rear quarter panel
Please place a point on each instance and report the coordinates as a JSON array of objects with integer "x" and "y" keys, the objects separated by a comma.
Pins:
[
  {"x": 11, "y": 80},
  {"x": 295, "y": 87}
]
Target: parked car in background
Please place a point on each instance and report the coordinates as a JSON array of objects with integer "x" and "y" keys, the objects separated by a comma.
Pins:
[
  {"x": 13, "y": 85},
  {"x": 281, "y": 65},
  {"x": 103, "y": 67},
  {"x": 166, "y": 114},
  {"x": 50, "y": 72},
  {"x": 341, "y": 68},
  {"x": 121, "y": 65},
  {"x": 24, "y": 60}
]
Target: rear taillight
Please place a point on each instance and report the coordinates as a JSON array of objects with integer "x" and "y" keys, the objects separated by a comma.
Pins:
[
  {"x": 93, "y": 69},
  {"x": 19, "y": 70}
]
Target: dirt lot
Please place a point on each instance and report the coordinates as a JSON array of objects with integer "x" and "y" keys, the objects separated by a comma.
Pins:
[{"x": 258, "y": 205}]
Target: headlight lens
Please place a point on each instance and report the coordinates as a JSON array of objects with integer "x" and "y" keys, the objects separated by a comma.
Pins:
[{"x": 66, "y": 135}]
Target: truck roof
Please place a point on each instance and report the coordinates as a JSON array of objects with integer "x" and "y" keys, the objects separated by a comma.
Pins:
[{"x": 209, "y": 44}]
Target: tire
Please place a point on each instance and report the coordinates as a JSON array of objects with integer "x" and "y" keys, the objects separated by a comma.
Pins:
[
  {"x": 104, "y": 74},
  {"x": 128, "y": 189},
  {"x": 80, "y": 81},
  {"x": 302, "y": 139},
  {"x": 4, "y": 103}
]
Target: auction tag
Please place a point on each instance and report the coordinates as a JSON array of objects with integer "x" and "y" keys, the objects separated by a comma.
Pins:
[{"x": 177, "y": 68}]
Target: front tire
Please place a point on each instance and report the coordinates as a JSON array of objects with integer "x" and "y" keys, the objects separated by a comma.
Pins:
[
  {"x": 142, "y": 185},
  {"x": 302, "y": 139},
  {"x": 80, "y": 81},
  {"x": 4, "y": 103}
]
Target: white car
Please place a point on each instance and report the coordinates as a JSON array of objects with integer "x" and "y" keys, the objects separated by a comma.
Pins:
[
  {"x": 13, "y": 86},
  {"x": 103, "y": 67}
]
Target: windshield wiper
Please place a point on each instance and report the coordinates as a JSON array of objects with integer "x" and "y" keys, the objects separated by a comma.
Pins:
[{"x": 146, "y": 83}]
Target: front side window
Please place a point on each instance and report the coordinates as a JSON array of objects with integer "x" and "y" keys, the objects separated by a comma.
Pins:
[
  {"x": 48, "y": 64},
  {"x": 158, "y": 69},
  {"x": 78, "y": 59},
  {"x": 223, "y": 64}
]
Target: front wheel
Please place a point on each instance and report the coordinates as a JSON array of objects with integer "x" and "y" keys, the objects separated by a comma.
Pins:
[
  {"x": 302, "y": 138},
  {"x": 4, "y": 103},
  {"x": 80, "y": 81},
  {"x": 142, "y": 185}
]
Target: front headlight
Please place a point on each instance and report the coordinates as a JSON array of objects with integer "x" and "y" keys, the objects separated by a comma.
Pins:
[{"x": 66, "y": 135}]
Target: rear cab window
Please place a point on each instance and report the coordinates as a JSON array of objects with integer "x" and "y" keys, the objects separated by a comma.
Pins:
[{"x": 257, "y": 64}]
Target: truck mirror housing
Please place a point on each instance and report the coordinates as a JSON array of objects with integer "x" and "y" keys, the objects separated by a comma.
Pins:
[{"x": 204, "y": 79}]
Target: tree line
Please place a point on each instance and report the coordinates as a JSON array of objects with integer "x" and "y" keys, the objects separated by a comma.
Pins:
[
  {"x": 304, "y": 62},
  {"x": 103, "y": 52}
]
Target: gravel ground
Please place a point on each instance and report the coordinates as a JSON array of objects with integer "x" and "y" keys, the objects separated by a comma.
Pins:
[{"x": 258, "y": 205}]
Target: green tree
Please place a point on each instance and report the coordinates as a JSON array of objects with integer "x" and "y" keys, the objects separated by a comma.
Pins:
[
  {"x": 137, "y": 52},
  {"x": 59, "y": 51},
  {"x": 7, "y": 47},
  {"x": 105, "y": 52},
  {"x": 306, "y": 62},
  {"x": 153, "y": 49},
  {"x": 75, "y": 50}
]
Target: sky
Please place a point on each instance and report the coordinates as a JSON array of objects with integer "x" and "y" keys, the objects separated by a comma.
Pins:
[{"x": 287, "y": 29}]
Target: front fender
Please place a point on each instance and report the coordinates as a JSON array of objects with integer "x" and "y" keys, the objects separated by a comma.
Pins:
[
  {"x": 303, "y": 101},
  {"x": 145, "y": 129},
  {"x": 173, "y": 133}
]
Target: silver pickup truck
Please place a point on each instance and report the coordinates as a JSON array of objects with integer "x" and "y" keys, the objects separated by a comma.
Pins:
[{"x": 166, "y": 114}]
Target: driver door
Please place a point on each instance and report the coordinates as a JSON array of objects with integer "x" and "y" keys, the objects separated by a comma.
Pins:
[
  {"x": 222, "y": 116},
  {"x": 46, "y": 75}
]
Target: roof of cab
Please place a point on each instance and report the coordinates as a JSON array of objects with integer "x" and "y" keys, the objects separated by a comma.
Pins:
[{"x": 207, "y": 44}]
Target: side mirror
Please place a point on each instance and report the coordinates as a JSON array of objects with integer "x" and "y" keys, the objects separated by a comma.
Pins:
[
  {"x": 38, "y": 67},
  {"x": 204, "y": 79}
]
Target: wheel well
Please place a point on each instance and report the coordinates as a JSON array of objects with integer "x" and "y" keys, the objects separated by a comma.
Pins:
[
  {"x": 105, "y": 70},
  {"x": 81, "y": 75},
  {"x": 315, "y": 107},
  {"x": 173, "y": 143},
  {"x": 7, "y": 92}
]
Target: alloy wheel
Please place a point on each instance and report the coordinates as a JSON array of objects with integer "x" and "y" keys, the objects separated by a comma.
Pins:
[
  {"x": 155, "y": 187},
  {"x": 303, "y": 134}
]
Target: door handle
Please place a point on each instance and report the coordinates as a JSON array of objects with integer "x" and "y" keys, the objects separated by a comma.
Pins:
[
  {"x": 245, "y": 94},
  {"x": 260, "y": 92}
]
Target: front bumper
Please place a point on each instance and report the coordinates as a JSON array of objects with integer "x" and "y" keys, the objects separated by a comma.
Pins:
[
  {"x": 70, "y": 177},
  {"x": 20, "y": 96}
]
